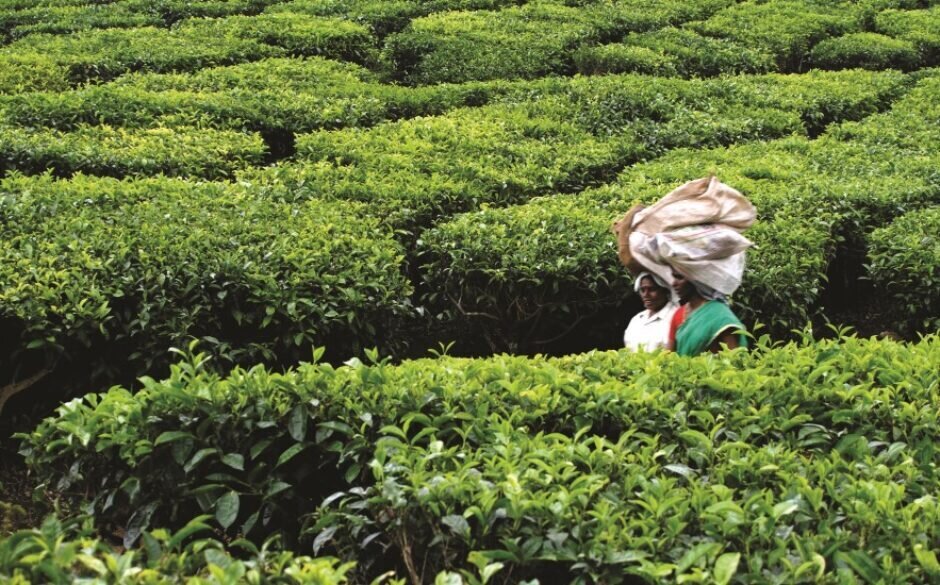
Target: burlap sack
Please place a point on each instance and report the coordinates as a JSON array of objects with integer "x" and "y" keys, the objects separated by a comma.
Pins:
[{"x": 703, "y": 202}]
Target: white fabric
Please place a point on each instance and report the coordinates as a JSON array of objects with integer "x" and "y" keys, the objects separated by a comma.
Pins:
[
  {"x": 709, "y": 254},
  {"x": 649, "y": 332}
]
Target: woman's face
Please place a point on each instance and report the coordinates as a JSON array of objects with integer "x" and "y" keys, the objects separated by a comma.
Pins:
[
  {"x": 684, "y": 289},
  {"x": 654, "y": 297}
]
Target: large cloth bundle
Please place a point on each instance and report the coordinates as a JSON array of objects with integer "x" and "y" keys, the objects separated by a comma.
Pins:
[{"x": 695, "y": 229}]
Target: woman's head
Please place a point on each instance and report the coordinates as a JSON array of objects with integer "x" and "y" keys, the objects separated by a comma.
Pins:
[
  {"x": 653, "y": 294},
  {"x": 684, "y": 287}
]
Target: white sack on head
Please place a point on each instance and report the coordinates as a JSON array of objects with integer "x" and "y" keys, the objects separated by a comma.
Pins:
[
  {"x": 696, "y": 229},
  {"x": 712, "y": 255}
]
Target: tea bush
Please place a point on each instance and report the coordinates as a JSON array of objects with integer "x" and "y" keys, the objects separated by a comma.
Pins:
[
  {"x": 674, "y": 51},
  {"x": 920, "y": 27},
  {"x": 866, "y": 51},
  {"x": 68, "y": 19},
  {"x": 814, "y": 460},
  {"x": 105, "y": 54},
  {"x": 575, "y": 135},
  {"x": 504, "y": 278},
  {"x": 533, "y": 40},
  {"x": 904, "y": 262},
  {"x": 787, "y": 30},
  {"x": 298, "y": 34},
  {"x": 172, "y": 11},
  {"x": 31, "y": 73},
  {"x": 62, "y": 552},
  {"x": 116, "y": 152},
  {"x": 271, "y": 95},
  {"x": 100, "y": 274}
]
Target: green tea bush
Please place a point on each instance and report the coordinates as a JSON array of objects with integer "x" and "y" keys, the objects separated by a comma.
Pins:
[
  {"x": 298, "y": 34},
  {"x": 795, "y": 463},
  {"x": 920, "y": 27},
  {"x": 623, "y": 58},
  {"x": 865, "y": 50},
  {"x": 117, "y": 272},
  {"x": 116, "y": 152},
  {"x": 687, "y": 53},
  {"x": 62, "y": 552},
  {"x": 415, "y": 171},
  {"x": 105, "y": 54},
  {"x": 525, "y": 42},
  {"x": 530, "y": 41},
  {"x": 904, "y": 264},
  {"x": 382, "y": 17},
  {"x": 788, "y": 30},
  {"x": 70, "y": 19},
  {"x": 172, "y": 11},
  {"x": 815, "y": 197},
  {"x": 271, "y": 95},
  {"x": 31, "y": 73}
]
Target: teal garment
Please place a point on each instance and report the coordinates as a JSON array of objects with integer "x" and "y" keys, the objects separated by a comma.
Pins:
[{"x": 703, "y": 326}]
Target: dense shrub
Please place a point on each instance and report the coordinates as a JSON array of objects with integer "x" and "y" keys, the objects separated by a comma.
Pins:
[
  {"x": 814, "y": 195},
  {"x": 690, "y": 54},
  {"x": 623, "y": 58},
  {"x": 298, "y": 34},
  {"x": 904, "y": 263},
  {"x": 31, "y": 73},
  {"x": 523, "y": 42},
  {"x": 271, "y": 95},
  {"x": 116, "y": 152},
  {"x": 864, "y": 50},
  {"x": 114, "y": 273},
  {"x": 68, "y": 19},
  {"x": 593, "y": 466},
  {"x": 62, "y": 552},
  {"x": 785, "y": 29},
  {"x": 920, "y": 27},
  {"x": 105, "y": 54}
]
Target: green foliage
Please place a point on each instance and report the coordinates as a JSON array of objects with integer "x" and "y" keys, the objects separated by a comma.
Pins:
[
  {"x": 271, "y": 95},
  {"x": 298, "y": 34},
  {"x": 785, "y": 29},
  {"x": 31, "y": 73},
  {"x": 623, "y": 58},
  {"x": 105, "y": 54},
  {"x": 525, "y": 42},
  {"x": 920, "y": 27},
  {"x": 865, "y": 50},
  {"x": 70, "y": 19},
  {"x": 62, "y": 552},
  {"x": 814, "y": 460},
  {"x": 904, "y": 263},
  {"x": 530, "y": 41},
  {"x": 116, "y": 152},
  {"x": 114, "y": 273}
]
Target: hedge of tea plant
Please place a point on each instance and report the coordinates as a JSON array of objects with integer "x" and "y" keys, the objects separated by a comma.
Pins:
[
  {"x": 809, "y": 462},
  {"x": 673, "y": 51},
  {"x": 62, "y": 552},
  {"x": 103, "y": 276},
  {"x": 298, "y": 34},
  {"x": 530, "y": 41},
  {"x": 67, "y": 19},
  {"x": 865, "y": 50},
  {"x": 118, "y": 152},
  {"x": 31, "y": 73},
  {"x": 920, "y": 27},
  {"x": 527, "y": 274},
  {"x": 788, "y": 30},
  {"x": 105, "y": 54},
  {"x": 272, "y": 95},
  {"x": 575, "y": 134},
  {"x": 904, "y": 261}
]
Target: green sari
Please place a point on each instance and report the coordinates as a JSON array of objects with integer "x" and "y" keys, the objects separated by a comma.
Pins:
[{"x": 700, "y": 329}]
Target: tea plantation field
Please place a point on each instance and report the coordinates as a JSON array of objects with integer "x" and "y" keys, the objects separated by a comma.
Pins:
[{"x": 251, "y": 219}]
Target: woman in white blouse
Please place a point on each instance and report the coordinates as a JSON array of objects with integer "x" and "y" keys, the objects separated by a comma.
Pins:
[{"x": 649, "y": 329}]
